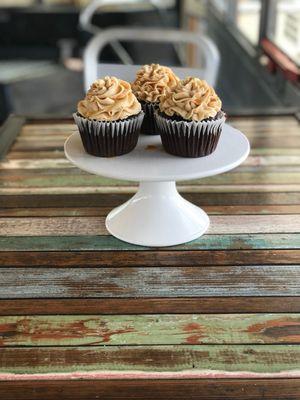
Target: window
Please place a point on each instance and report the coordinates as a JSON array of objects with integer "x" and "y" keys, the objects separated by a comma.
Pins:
[
  {"x": 221, "y": 5},
  {"x": 284, "y": 27},
  {"x": 271, "y": 26},
  {"x": 244, "y": 15},
  {"x": 248, "y": 19}
]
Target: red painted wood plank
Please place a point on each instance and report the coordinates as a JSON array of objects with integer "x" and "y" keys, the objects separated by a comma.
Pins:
[
  {"x": 168, "y": 305},
  {"x": 196, "y": 389}
]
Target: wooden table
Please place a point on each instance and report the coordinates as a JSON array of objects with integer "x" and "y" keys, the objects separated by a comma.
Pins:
[{"x": 85, "y": 316}]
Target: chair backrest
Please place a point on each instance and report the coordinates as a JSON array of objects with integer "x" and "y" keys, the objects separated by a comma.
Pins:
[
  {"x": 205, "y": 46},
  {"x": 86, "y": 14}
]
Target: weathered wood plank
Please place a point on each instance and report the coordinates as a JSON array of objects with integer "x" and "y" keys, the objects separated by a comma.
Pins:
[
  {"x": 257, "y": 164},
  {"x": 156, "y": 329},
  {"x": 39, "y": 124},
  {"x": 263, "y": 130},
  {"x": 266, "y": 132},
  {"x": 27, "y": 169},
  {"x": 102, "y": 243},
  {"x": 257, "y": 125},
  {"x": 255, "y": 142},
  {"x": 273, "y": 163},
  {"x": 73, "y": 226},
  {"x": 53, "y": 132},
  {"x": 274, "y": 151},
  {"x": 213, "y": 281},
  {"x": 125, "y": 258},
  {"x": 20, "y": 165},
  {"x": 257, "y": 152},
  {"x": 90, "y": 211},
  {"x": 81, "y": 179},
  {"x": 45, "y": 138},
  {"x": 181, "y": 361},
  {"x": 271, "y": 121},
  {"x": 87, "y": 190},
  {"x": 103, "y": 211},
  {"x": 39, "y": 155},
  {"x": 168, "y": 305},
  {"x": 39, "y": 146},
  {"x": 272, "y": 160},
  {"x": 200, "y": 389},
  {"x": 114, "y": 199}
]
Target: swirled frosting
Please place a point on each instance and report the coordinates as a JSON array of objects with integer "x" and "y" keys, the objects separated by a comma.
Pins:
[
  {"x": 192, "y": 99},
  {"x": 153, "y": 81},
  {"x": 109, "y": 99}
]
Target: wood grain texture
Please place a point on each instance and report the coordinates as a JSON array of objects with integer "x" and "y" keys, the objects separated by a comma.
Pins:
[
  {"x": 59, "y": 154},
  {"x": 19, "y": 164},
  {"x": 113, "y": 199},
  {"x": 156, "y": 329},
  {"x": 195, "y": 389},
  {"x": 130, "y": 190},
  {"x": 262, "y": 280},
  {"x": 255, "y": 141},
  {"x": 147, "y": 258},
  {"x": 56, "y": 179},
  {"x": 136, "y": 306},
  {"x": 89, "y": 226},
  {"x": 142, "y": 361},
  {"x": 79, "y": 306},
  {"x": 207, "y": 242},
  {"x": 103, "y": 211}
]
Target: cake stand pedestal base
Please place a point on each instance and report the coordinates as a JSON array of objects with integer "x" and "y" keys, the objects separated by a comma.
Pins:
[{"x": 157, "y": 215}]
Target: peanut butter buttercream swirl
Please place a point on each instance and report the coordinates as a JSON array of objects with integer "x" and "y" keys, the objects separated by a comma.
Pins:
[
  {"x": 109, "y": 99},
  {"x": 192, "y": 99},
  {"x": 153, "y": 81}
]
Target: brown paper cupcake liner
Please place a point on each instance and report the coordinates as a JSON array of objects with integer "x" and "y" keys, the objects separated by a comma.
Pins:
[
  {"x": 109, "y": 138},
  {"x": 189, "y": 138},
  {"x": 149, "y": 126}
]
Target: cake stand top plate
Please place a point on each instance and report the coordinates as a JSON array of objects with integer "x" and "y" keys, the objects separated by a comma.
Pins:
[{"x": 149, "y": 162}]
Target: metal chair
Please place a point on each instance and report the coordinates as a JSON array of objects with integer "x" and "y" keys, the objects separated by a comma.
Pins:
[
  {"x": 208, "y": 53},
  {"x": 86, "y": 15}
]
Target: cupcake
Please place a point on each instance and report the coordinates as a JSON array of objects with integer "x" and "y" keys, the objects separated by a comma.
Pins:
[
  {"x": 151, "y": 83},
  {"x": 190, "y": 119},
  {"x": 109, "y": 118}
]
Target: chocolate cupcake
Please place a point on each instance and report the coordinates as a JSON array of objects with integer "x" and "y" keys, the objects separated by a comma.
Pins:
[
  {"x": 109, "y": 118},
  {"x": 151, "y": 83},
  {"x": 190, "y": 119}
]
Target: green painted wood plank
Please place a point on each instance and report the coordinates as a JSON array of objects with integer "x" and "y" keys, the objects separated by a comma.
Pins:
[
  {"x": 116, "y": 330},
  {"x": 255, "y": 358},
  {"x": 124, "y": 282},
  {"x": 98, "y": 243}
]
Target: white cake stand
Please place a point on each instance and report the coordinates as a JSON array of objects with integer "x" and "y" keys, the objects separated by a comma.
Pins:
[{"x": 157, "y": 215}]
